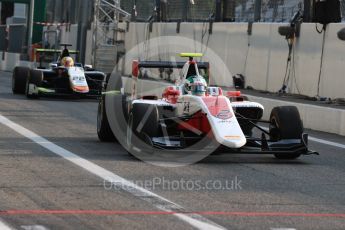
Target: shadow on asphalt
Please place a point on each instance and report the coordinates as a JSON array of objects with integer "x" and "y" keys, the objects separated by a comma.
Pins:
[
  {"x": 47, "y": 98},
  {"x": 249, "y": 159},
  {"x": 90, "y": 148}
]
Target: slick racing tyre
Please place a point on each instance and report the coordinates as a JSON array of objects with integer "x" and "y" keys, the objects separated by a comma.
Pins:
[
  {"x": 143, "y": 124},
  {"x": 104, "y": 132},
  {"x": 137, "y": 142},
  {"x": 35, "y": 78},
  {"x": 286, "y": 123},
  {"x": 112, "y": 125},
  {"x": 19, "y": 78},
  {"x": 146, "y": 119}
]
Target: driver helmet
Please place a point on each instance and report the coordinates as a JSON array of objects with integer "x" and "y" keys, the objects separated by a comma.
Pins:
[
  {"x": 197, "y": 86},
  {"x": 67, "y": 62}
]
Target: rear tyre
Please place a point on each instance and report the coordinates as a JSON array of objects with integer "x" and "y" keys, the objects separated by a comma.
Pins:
[
  {"x": 19, "y": 79},
  {"x": 35, "y": 78},
  {"x": 104, "y": 132},
  {"x": 95, "y": 80},
  {"x": 286, "y": 123}
]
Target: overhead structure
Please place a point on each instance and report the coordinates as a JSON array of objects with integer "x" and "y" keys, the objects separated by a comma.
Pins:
[{"x": 107, "y": 43}]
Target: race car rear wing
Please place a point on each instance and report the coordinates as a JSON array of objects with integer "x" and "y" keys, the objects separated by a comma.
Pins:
[
  {"x": 56, "y": 52},
  {"x": 167, "y": 64},
  {"x": 137, "y": 65},
  {"x": 47, "y": 51}
]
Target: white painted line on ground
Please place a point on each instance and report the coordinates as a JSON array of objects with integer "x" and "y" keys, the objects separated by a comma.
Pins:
[
  {"x": 331, "y": 143},
  {"x": 33, "y": 227},
  {"x": 282, "y": 228},
  {"x": 157, "y": 201},
  {"x": 327, "y": 142},
  {"x": 4, "y": 226}
]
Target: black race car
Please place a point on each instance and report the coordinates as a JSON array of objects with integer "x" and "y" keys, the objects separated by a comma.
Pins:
[{"x": 62, "y": 77}]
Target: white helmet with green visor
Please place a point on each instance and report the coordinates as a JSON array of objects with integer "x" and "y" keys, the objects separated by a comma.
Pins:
[{"x": 197, "y": 85}]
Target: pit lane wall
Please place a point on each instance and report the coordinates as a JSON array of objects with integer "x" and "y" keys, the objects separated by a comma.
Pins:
[
  {"x": 320, "y": 118},
  {"x": 10, "y": 60},
  {"x": 261, "y": 57}
]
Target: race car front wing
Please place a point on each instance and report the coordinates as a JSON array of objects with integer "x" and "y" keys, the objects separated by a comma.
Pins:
[{"x": 253, "y": 146}]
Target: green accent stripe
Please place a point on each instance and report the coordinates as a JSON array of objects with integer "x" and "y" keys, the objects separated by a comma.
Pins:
[
  {"x": 114, "y": 92},
  {"x": 45, "y": 90}
]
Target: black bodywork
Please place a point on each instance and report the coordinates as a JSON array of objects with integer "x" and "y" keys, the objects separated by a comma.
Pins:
[{"x": 57, "y": 79}]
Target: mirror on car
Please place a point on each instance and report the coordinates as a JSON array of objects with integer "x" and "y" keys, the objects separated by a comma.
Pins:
[{"x": 88, "y": 67}]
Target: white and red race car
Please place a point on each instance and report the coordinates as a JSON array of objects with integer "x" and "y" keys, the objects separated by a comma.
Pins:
[{"x": 188, "y": 112}]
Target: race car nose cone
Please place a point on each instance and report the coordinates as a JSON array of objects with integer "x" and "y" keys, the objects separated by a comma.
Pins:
[{"x": 81, "y": 89}]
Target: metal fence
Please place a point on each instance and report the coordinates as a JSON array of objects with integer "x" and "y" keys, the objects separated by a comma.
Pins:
[
  {"x": 279, "y": 10},
  {"x": 200, "y": 10},
  {"x": 273, "y": 10},
  {"x": 71, "y": 11},
  {"x": 176, "y": 10},
  {"x": 184, "y": 10},
  {"x": 230, "y": 10}
]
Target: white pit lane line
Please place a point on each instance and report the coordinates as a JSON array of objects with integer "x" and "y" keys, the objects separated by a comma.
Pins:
[
  {"x": 197, "y": 221},
  {"x": 283, "y": 229},
  {"x": 33, "y": 227},
  {"x": 334, "y": 144},
  {"x": 318, "y": 140},
  {"x": 4, "y": 226}
]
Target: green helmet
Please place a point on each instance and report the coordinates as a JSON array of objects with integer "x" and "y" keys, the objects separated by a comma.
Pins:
[{"x": 196, "y": 85}]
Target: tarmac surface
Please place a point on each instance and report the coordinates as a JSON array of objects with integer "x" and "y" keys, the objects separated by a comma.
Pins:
[{"x": 53, "y": 176}]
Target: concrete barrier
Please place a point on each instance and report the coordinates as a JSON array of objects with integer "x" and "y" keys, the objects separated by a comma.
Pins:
[
  {"x": 260, "y": 57},
  {"x": 12, "y": 60},
  {"x": 263, "y": 62},
  {"x": 314, "y": 117}
]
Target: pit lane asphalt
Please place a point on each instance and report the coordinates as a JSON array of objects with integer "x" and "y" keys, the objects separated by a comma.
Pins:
[{"x": 33, "y": 178}]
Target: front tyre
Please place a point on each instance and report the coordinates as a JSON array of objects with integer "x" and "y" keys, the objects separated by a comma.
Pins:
[
  {"x": 104, "y": 132},
  {"x": 34, "y": 80},
  {"x": 146, "y": 119},
  {"x": 286, "y": 124},
  {"x": 143, "y": 125}
]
